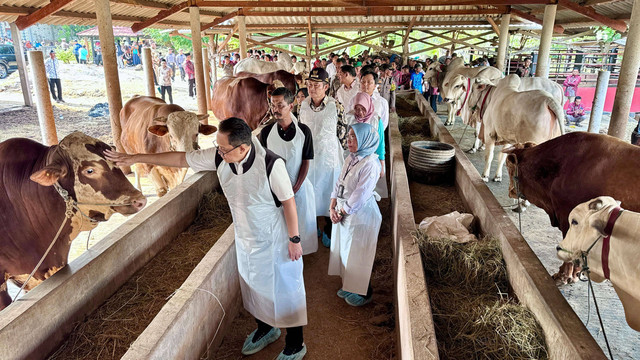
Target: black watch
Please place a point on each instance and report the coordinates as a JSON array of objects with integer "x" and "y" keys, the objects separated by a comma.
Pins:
[{"x": 295, "y": 239}]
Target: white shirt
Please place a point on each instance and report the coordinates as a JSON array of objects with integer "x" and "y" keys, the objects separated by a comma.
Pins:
[
  {"x": 331, "y": 71},
  {"x": 205, "y": 160},
  {"x": 344, "y": 95}
]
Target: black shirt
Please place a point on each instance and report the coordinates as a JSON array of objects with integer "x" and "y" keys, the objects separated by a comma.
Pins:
[{"x": 288, "y": 135}]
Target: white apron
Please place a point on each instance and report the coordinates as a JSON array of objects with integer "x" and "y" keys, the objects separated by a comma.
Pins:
[
  {"x": 327, "y": 158},
  {"x": 272, "y": 285},
  {"x": 291, "y": 152},
  {"x": 354, "y": 240}
]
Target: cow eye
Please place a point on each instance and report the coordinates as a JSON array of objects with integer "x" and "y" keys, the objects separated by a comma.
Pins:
[
  {"x": 574, "y": 222},
  {"x": 89, "y": 171},
  {"x": 457, "y": 86}
]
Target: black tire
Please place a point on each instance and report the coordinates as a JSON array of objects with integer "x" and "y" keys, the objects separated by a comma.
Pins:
[{"x": 4, "y": 71}]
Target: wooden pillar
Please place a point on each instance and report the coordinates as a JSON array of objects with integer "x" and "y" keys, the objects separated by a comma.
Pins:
[
  {"x": 107, "y": 44},
  {"x": 242, "y": 36},
  {"x": 405, "y": 48},
  {"x": 41, "y": 87},
  {"x": 147, "y": 64},
  {"x": 196, "y": 42},
  {"x": 207, "y": 77},
  {"x": 215, "y": 61},
  {"x": 22, "y": 70},
  {"x": 542, "y": 68},
  {"x": 504, "y": 42},
  {"x": 598, "y": 101},
  {"x": 627, "y": 77}
]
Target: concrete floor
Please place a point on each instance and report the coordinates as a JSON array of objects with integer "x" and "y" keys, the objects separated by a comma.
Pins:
[{"x": 543, "y": 238}]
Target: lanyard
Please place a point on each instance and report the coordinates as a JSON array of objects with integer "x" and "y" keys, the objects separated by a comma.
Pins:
[{"x": 350, "y": 166}]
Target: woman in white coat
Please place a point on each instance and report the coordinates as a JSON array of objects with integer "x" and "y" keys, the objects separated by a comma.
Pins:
[{"x": 356, "y": 217}]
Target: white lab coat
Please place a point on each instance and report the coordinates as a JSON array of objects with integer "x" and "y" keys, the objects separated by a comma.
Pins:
[
  {"x": 327, "y": 158},
  {"x": 354, "y": 240},
  {"x": 272, "y": 285},
  {"x": 291, "y": 152}
]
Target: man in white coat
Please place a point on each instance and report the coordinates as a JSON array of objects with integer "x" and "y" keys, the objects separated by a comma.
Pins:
[
  {"x": 349, "y": 88},
  {"x": 258, "y": 189},
  {"x": 325, "y": 117},
  {"x": 294, "y": 143}
]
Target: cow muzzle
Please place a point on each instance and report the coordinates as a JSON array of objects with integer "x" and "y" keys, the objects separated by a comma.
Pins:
[
  {"x": 136, "y": 203},
  {"x": 563, "y": 254},
  {"x": 447, "y": 100}
]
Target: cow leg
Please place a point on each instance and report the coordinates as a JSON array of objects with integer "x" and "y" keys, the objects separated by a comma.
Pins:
[
  {"x": 5, "y": 299},
  {"x": 158, "y": 182},
  {"x": 451, "y": 115},
  {"x": 502, "y": 158},
  {"x": 137, "y": 174},
  {"x": 488, "y": 157}
]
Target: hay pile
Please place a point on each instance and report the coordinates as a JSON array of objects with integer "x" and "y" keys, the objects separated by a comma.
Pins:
[
  {"x": 108, "y": 332},
  {"x": 473, "y": 316}
]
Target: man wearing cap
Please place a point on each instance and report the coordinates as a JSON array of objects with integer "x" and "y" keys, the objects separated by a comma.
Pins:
[
  {"x": 52, "y": 68},
  {"x": 324, "y": 116}
]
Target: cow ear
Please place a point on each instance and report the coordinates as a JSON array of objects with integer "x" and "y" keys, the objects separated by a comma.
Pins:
[
  {"x": 529, "y": 144},
  {"x": 512, "y": 158},
  {"x": 48, "y": 175},
  {"x": 159, "y": 130},
  {"x": 596, "y": 205},
  {"x": 160, "y": 119},
  {"x": 207, "y": 129},
  {"x": 202, "y": 117}
]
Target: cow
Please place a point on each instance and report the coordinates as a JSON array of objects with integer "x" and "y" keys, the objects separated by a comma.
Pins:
[
  {"x": 288, "y": 80},
  {"x": 299, "y": 67},
  {"x": 246, "y": 98},
  {"x": 149, "y": 125},
  {"x": 607, "y": 237},
  {"x": 256, "y": 66},
  {"x": 435, "y": 75},
  {"x": 34, "y": 178},
  {"x": 564, "y": 172},
  {"x": 509, "y": 116}
]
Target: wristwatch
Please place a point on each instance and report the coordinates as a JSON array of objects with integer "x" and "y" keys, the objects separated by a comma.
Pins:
[{"x": 295, "y": 239}]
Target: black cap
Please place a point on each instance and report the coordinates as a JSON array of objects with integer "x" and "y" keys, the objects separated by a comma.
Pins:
[
  {"x": 52, "y": 52},
  {"x": 319, "y": 74}
]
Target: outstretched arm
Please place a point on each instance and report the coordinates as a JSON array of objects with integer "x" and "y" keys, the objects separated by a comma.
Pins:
[{"x": 173, "y": 159}]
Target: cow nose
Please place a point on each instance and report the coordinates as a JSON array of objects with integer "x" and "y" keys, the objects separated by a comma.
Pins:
[
  {"x": 446, "y": 99},
  {"x": 138, "y": 204},
  {"x": 558, "y": 248}
]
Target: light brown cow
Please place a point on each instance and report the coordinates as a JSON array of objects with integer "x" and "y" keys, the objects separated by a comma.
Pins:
[{"x": 149, "y": 125}]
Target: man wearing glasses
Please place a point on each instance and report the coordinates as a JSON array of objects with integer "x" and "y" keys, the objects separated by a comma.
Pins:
[
  {"x": 293, "y": 141},
  {"x": 324, "y": 116},
  {"x": 261, "y": 198}
]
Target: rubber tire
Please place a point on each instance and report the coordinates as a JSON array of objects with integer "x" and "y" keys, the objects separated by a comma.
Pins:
[{"x": 4, "y": 71}]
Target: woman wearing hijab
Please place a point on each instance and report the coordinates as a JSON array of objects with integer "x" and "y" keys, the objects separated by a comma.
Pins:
[
  {"x": 356, "y": 217},
  {"x": 363, "y": 112}
]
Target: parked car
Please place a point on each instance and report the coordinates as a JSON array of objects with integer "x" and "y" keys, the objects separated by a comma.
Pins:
[{"x": 8, "y": 63}]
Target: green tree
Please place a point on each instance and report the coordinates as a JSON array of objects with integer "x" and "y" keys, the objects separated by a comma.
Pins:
[
  {"x": 606, "y": 34},
  {"x": 69, "y": 32}
]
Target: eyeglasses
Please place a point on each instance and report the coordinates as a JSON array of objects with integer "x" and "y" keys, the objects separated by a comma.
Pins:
[
  {"x": 224, "y": 153},
  {"x": 278, "y": 107}
]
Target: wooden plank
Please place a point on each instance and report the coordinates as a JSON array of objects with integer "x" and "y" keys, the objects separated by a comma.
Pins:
[
  {"x": 226, "y": 40},
  {"x": 220, "y": 20},
  {"x": 360, "y": 3},
  {"x": 409, "y": 28},
  {"x": 271, "y": 46},
  {"x": 456, "y": 41},
  {"x": 378, "y": 11},
  {"x": 556, "y": 28},
  {"x": 618, "y": 25},
  {"x": 161, "y": 15},
  {"x": 25, "y": 21},
  {"x": 493, "y": 25},
  {"x": 143, "y": 4},
  {"x": 379, "y": 48}
]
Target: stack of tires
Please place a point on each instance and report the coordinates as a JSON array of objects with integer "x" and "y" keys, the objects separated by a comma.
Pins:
[{"x": 431, "y": 162}]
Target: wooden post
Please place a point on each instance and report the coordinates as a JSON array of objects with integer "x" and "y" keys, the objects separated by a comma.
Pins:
[
  {"x": 114, "y": 97},
  {"x": 504, "y": 42},
  {"x": 627, "y": 77},
  {"x": 196, "y": 42},
  {"x": 598, "y": 101},
  {"x": 542, "y": 68},
  {"x": 45, "y": 110},
  {"x": 242, "y": 36},
  {"x": 22, "y": 71},
  {"x": 147, "y": 64},
  {"x": 207, "y": 77}
]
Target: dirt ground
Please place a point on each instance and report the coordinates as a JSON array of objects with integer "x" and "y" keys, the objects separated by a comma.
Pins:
[{"x": 543, "y": 239}]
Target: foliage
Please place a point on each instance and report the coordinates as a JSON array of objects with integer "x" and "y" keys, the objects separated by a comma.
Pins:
[
  {"x": 606, "y": 34},
  {"x": 163, "y": 39},
  {"x": 66, "y": 56},
  {"x": 69, "y": 32}
]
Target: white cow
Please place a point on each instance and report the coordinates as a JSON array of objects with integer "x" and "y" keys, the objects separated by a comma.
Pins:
[
  {"x": 256, "y": 66},
  {"x": 435, "y": 75},
  {"x": 299, "y": 67},
  {"x": 510, "y": 116},
  {"x": 588, "y": 224}
]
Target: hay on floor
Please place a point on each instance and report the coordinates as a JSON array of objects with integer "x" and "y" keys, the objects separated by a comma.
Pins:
[{"x": 473, "y": 316}]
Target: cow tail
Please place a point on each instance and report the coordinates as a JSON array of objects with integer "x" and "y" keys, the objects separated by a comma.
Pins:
[{"x": 557, "y": 110}]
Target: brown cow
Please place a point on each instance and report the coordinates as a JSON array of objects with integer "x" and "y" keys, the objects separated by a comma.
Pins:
[
  {"x": 32, "y": 210},
  {"x": 145, "y": 122},
  {"x": 288, "y": 80},
  {"x": 566, "y": 171},
  {"x": 245, "y": 98}
]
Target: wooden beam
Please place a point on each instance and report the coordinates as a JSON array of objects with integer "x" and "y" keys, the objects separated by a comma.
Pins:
[
  {"x": 379, "y": 48},
  {"x": 226, "y": 40},
  {"x": 25, "y": 21},
  {"x": 406, "y": 36},
  {"x": 493, "y": 25},
  {"x": 377, "y": 11},
  {"x": 143, "y": 4},
  {"x": 617, "y": 25},
  {"x": 270, "y": 46},
  {"x": 453, "y": 40},
  {"x": 360, "y": 3},
  {"x": 556, "y": 28},
  {"x": 161, "y": 15},
  {"x": 220, "y": 20},
  {"x": 599, "y": 2}
]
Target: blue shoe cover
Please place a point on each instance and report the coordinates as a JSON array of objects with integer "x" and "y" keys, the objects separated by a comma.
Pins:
[
  {"x": 326, "y": 241},
  {"x": 251, "y": 347},
  {"x": 297, "y": 356},
  {"x": 357, "y": 300},
  {"x": 343, "y": 294},
  {"x": 319, "y": 232}
]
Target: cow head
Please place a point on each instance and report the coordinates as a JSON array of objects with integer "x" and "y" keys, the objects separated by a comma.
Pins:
[
  {"x": 431, "y": 73},
  {"x": 515, "y": 155},
  {"x": 77, "y": 163},
  {"x": 299, "y": 67},
  {"x": 587, "y": 223},
  {"x": 183, "y": 128},
  {"x": 454, "y": 87}
]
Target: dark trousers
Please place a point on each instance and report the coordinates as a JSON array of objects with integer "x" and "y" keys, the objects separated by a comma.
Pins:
[
  {"x": 327, "y": 226},
  {"x": 192, "y": 87},
  {"x": 166, "y": 89},
  {"x": 433, "y": 100},
  {"x": 293, "y": 339},
  {"x": 55, "y": 83}
]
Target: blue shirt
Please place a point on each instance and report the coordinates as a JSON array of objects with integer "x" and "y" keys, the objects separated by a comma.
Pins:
[
  {"x": 416, "y": 81},
  {"x": 171, "y": 58},
  {"x": 180, "y": 59},
  {"x": 76, "y": 47}
]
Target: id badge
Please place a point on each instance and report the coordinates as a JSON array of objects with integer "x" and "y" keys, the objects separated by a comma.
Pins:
[{"x": 340, "y": 191}]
